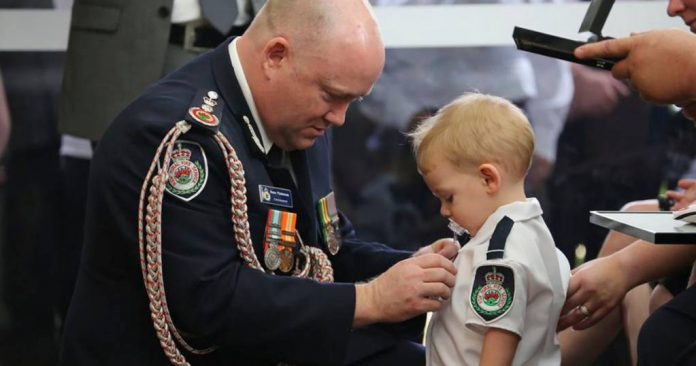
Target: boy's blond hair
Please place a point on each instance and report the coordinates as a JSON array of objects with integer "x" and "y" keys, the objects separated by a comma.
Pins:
[{"x": 475, "y": 129}]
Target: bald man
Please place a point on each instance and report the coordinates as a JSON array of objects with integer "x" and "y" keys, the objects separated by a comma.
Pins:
[{"x": 212, "y": 234}]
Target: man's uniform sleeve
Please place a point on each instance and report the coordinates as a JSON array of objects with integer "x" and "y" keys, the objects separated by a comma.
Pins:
[{"x": 359, "y": 260}]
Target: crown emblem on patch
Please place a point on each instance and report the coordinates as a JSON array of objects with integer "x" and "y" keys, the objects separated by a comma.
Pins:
[
  {"x": 181, "y": 154},
  {"x": 494, "y": 278}
]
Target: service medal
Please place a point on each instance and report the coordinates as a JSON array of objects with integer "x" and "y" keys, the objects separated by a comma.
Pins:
[
  {"x": 287, "y": 259},
  {"x": 280, "y": 240},
  {"x": 272, "y": 257},
  {"x": 334, "y": 238},
  {"x": 330, "y": 229}
]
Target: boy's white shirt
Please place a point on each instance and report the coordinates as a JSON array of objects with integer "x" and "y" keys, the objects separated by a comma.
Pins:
[{"x": 455, "y": 333}]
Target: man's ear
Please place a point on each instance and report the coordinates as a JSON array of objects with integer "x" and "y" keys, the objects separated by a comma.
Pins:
[
  {"x": 276, "y": 54},
  {"x": 490, "y": 176}
]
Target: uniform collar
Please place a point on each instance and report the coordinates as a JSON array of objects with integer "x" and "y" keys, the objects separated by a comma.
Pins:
[
  {"x": 246, "y": 91},
  {"x": 517, "y": 211},
  {"x": 234, "y": 99}
]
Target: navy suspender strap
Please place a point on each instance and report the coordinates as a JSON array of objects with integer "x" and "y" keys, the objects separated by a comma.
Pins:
[{"x": 496, "y": 247}]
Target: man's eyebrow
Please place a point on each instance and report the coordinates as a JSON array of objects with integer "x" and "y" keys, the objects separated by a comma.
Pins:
[{"x": 340, "y": 93}]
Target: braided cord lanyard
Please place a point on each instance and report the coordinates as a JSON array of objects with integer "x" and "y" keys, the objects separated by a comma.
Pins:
[{"x": 316, "y": 264}]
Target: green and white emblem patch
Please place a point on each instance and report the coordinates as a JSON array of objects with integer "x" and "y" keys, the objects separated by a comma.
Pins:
[
  {"x": 492, "y": 292},
  {"x": 188, "y": 170}
]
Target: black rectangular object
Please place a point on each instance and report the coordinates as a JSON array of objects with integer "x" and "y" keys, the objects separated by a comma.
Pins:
[
  {"x": 595, "y": 17},
  {"x": 556, "y": 47}
]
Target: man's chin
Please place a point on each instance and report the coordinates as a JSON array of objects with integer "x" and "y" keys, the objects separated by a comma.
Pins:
[{"x": 302, "y": 144}]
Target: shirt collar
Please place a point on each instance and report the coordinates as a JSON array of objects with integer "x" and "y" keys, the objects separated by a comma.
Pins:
[
  {"x": 517, "y": 211},
  {"x": 244, "y": 85}
]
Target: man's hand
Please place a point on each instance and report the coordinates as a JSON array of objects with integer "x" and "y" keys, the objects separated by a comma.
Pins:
[
  {"x": 409, "y": 288},
  {"x": 661, "y": 64},
  {"x": 683, "y": 199},
  {"x": 445, "y": 247},
  {"x": 599, "y": 286}
]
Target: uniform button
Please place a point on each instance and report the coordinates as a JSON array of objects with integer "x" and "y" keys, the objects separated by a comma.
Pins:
[{"x": 163, "y": 12}]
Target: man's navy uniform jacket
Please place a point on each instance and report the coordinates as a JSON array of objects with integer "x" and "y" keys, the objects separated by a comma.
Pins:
[{"x": 215, "y": 299}]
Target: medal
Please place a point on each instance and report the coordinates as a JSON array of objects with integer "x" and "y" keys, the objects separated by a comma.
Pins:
[
  {"x": 279, "y": 240},
  {"x": 287, "y": 260},
  {"x": 330, "y": 228},
  {"x": 272, "y": 257},
  {"x": 334, "y": 238}
]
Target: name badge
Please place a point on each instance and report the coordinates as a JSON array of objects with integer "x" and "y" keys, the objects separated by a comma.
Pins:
[{"x": 275, "y": 196}]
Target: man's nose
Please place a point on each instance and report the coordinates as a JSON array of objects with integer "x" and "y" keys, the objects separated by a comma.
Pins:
[
  {"x": 674, "y": 7},
  {"x": 337, "y": 115}
]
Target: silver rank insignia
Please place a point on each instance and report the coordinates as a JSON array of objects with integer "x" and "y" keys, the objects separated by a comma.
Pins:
[{"x": 204, "y": 113}]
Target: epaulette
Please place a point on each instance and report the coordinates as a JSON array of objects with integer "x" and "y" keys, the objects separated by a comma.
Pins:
[
  {"x": 496, "y": 246},
  {"x": 204, "y": 112}
]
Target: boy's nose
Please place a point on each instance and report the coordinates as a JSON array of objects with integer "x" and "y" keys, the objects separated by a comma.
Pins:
[{"x": 444, "y": 211}]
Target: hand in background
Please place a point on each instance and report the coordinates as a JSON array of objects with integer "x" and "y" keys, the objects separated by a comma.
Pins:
[
  {"x": 683, "y": 199},
  {"x": 660, "y": 64},
  {"x": 597, "y": 93},
  {"x": 600, "y": 286}
]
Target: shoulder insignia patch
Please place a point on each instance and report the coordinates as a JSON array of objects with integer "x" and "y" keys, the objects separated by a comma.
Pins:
[
  {"x": 188, "y": 170},
  {"x": 492, "y": 292},
  {"x": 204, "y": 111}
]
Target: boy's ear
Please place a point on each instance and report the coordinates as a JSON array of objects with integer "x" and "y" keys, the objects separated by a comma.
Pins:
[{"x": 491, "y": 177}]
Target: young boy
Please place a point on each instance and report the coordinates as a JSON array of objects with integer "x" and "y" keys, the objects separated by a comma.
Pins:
[{"x": 511, "y": 280}]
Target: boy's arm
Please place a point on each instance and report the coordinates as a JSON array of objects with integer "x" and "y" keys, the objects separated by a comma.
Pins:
[{"x": 499, "y": 347}]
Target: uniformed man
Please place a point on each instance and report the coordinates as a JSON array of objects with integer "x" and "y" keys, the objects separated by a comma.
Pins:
[{"x": 212, "y": 235}]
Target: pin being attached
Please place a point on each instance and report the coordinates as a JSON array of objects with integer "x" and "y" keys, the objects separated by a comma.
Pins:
[{"x": 458, "y": 231}]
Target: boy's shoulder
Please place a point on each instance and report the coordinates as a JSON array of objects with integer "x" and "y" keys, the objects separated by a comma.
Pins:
[{"x": 524, "y": 241}]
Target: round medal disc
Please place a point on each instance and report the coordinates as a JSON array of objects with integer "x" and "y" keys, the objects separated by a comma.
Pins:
[
  {"x": 286, "y": 260},
  {"x": 272, "y": 257},
  {"x": 334, "y": 240}
]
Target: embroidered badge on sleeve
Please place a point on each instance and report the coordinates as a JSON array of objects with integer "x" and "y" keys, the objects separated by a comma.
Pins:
[
  {"x": 492, "y": 292},
  {"x": 188, "y": 172}
]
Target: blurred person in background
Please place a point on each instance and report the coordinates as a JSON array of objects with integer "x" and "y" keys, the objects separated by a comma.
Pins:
[{"x": 31, "y": 203}]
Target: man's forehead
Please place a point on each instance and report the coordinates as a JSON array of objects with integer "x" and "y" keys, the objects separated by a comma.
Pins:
[{"x": 339, "y": 89}]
